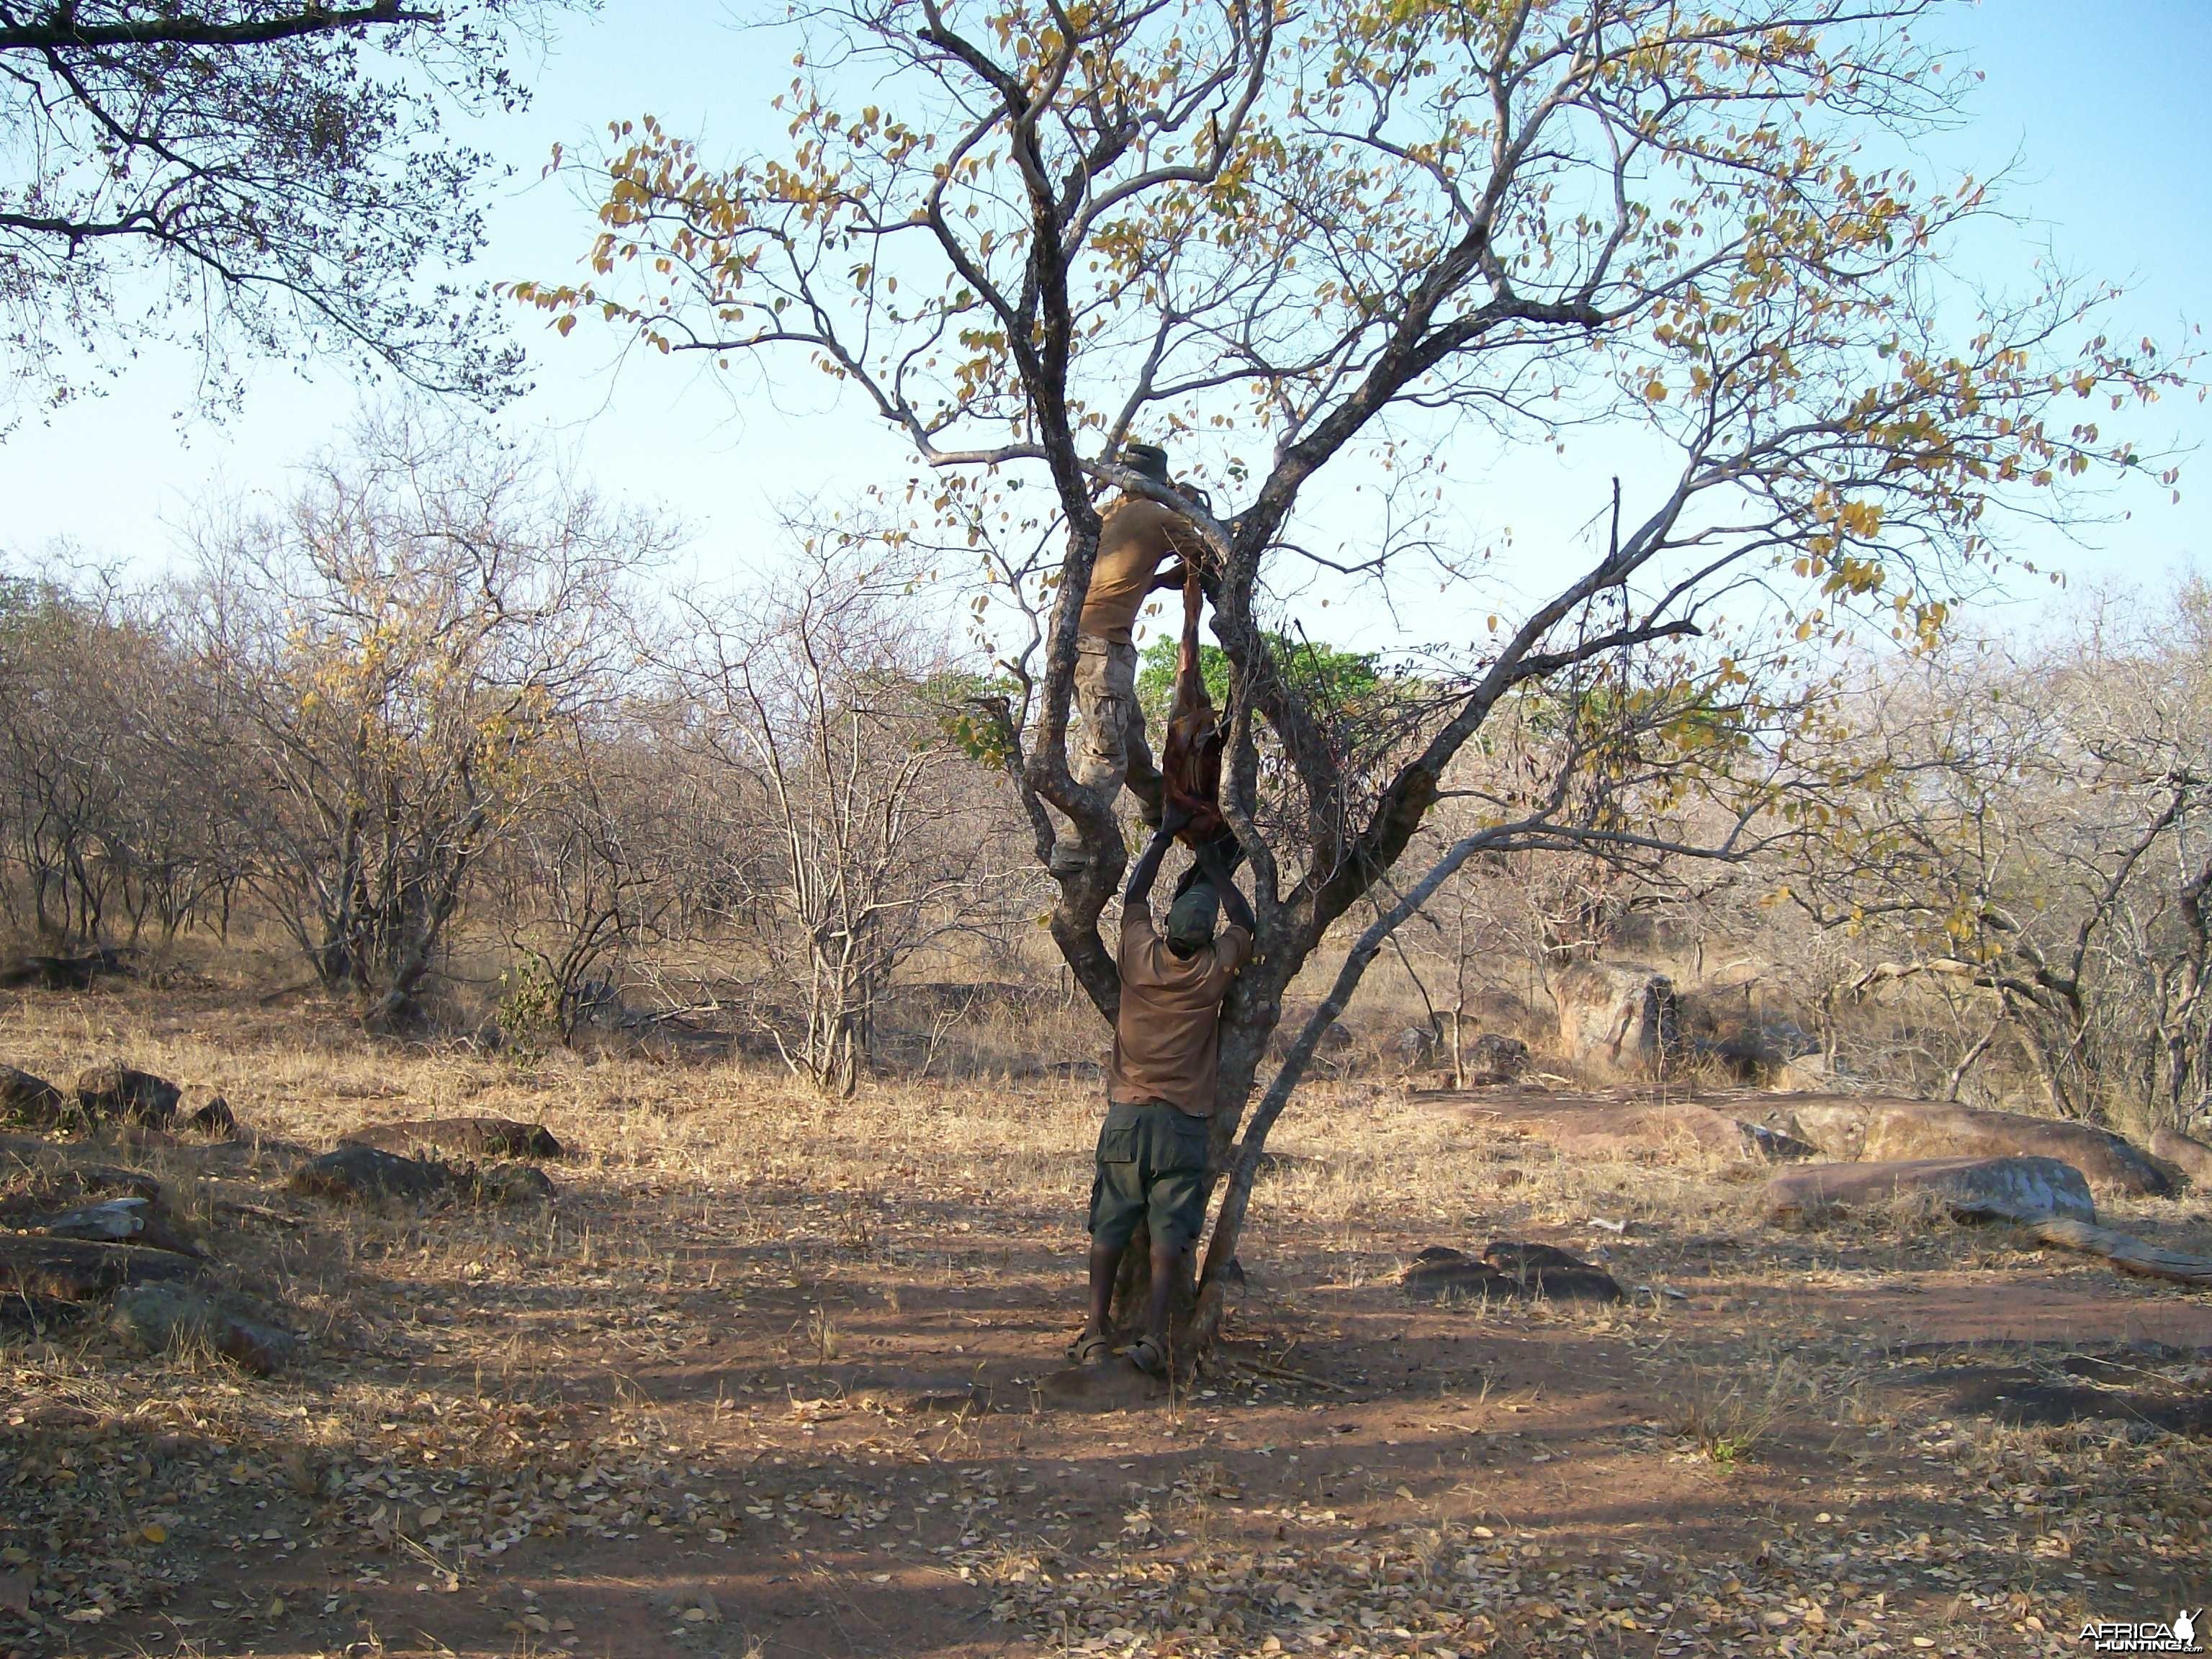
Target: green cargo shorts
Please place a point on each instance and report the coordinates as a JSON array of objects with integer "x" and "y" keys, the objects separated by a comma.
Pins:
[{"x": 1152, "y": 1168}]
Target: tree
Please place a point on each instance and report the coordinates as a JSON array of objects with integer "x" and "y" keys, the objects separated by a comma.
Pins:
[
  {"x": 263, "y": 174},
  {"x": 1327, "y": 243},
  {"x": 398, "y": 656},
  {"x": 2031, "y": 831},
  {"x": 817, "y": 699}
]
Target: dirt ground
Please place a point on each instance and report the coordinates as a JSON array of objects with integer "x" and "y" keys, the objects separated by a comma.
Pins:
[{"x": 775, "y": 1377}]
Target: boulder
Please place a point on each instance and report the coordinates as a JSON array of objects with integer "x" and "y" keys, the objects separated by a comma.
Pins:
[
  {"x": 167, "y": 1317},
  {"x": 1607, "y": 1129},
  {"x": 1492, "y": 1058},
  {"x": 137, "y": 1219},
  {"x": 81, "y": 1270},
  {"x": 61, "y": 972},
  {"x": 1760, "y": 1053},
  {"x": 1546, "y": 1270},
  {"x": 114, "y": 1093},
  {"x": 2185, "y": 1152},
  {"x": 118, "y": 1221},
  {"x": 1617, "y": 1016},
  {"x": 471, "y": 1137},
  {"x": 2015, "y": 1187},
  {"x": 360, "y": 1175},
  {"x": 1883, "y": 1128},
  {"x": 1506, "y": 1269},
  {"x": 509, "y": 1183},
  {"x": 214, "y": 1120},
  {"x": 1414, "y": 1046},
  {"x": 31, "y": 1101}
]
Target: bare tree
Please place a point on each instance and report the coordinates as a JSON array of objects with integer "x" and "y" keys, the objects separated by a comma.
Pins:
[
  {"x": 1316, "y": 240},
  {"x": 825, "y": 699},
  {"x": 399, "y": 652},
  {"x": 2032, "y": 834}
]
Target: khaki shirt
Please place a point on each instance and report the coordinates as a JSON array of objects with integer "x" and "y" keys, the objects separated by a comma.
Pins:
[
  {"x": 1168, "y": 1039},
  {"x": 1137, "y": 536}
]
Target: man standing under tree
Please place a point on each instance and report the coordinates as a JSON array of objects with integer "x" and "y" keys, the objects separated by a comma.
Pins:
[
  {"x": 1136, "y": 536},
  {"x": 1159, "y": 1091}
]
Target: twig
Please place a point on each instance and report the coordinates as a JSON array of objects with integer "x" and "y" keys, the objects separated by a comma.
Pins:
[{"x": 1289, "y": 1376}]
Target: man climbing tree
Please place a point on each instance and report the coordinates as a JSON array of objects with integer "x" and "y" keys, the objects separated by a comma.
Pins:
[
  {"x": 1160, "y": 1090},
  {"x": 1341, "y": 246},
  {"x": 1137, "y": 536}
]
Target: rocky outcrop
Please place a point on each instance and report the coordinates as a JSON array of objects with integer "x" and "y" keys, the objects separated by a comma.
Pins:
[
  {"x": 1617, "y": 1017},
  {"x": 30, "y": 1101},
  {"x": 2013, "y": 1188},
  {"x": 2185, "y": 1152},
  {"x": 1629, "y": 1130},
  {"x": 1492, "y": 1058},
  {"x": 119, "y": 1094},
  {"x": 79, "y": 1270},
  {"x": 1506, "y": 1269},
  {"x": 362, "y": 1174},
  {"x": 470, "y": 1137},
  {"x": 165, "y": 1318},
  {"x": 1883, "y": 1129}
]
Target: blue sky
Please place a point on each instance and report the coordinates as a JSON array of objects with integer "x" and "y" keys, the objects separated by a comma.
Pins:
[{"x": 2103, "y": 104}]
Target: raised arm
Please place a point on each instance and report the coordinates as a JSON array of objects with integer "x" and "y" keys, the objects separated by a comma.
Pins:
[
  {"x": 1224, "y": 883},
  {"x": 1140, "y": 890}
]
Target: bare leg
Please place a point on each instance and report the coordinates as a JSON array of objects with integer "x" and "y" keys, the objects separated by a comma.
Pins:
[
  {"x": 1166, "y": 1264},
  {"x": 1105, "y": 1261}
]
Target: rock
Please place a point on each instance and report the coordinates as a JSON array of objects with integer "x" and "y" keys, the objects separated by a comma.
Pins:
[
  {"x": 61, "y": 972},
  {"x": 1492, "y": 1058},
  {"x": 81, "y": 1270},
  {"x": 473, "y": 1137},
  {"x": 117, "y": 1093},
  {"x": 356, "y": 1173},
  {"x": 214, "y": 1120},
  {"x": 2185, "y": 1152},
  {"x": 1441, "y": 1275},
  {"x": 136, "y": 1219},
  {"x": 1414, "y": 1046},
  {"x": 510, "y": 1183},
  {"x": 1506, "y": 1269},
  {"x": 116, "y": 1221},
  {"x": 167, "y": 1317},
  {"x": 1605, "y": 1129},
  {"x": 1965, "y": 1186},
  {"x": 1803, "y": 1074},
  {"x": 1886, "y": 1130},
  {"x": 1546, "y": 1270},
  {"x": 1760, "y": 1052},
  {"x": 1775, "y": 1146},
  {"x": 31, "y": 1101},
  {"x": 1617, "y": 1016}
]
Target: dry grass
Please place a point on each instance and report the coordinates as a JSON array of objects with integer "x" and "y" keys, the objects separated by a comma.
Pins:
[{"x": 694, "y": 1370}]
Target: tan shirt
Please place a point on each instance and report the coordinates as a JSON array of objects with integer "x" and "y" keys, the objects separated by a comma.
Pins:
[
  {"x": 1168, "y": 1039},
  {"x": 1137, "y": 536}
]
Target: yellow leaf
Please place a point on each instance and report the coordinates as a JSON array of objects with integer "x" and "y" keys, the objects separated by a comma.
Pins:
[{"x": 154, "y": 1533}]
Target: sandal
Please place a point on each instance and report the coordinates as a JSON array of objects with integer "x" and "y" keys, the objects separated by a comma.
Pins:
[
  {"x": 1146, "y": 1356},
  {"x": 1091, "y": 1351}
]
